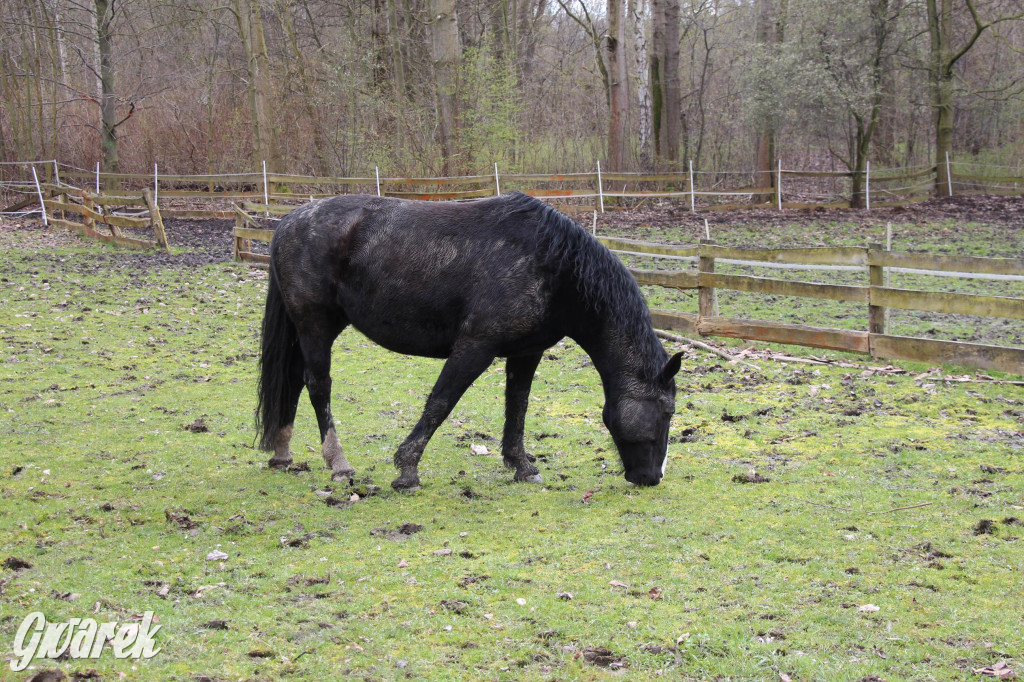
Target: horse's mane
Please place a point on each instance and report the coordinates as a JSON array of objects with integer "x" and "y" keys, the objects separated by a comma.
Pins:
[{"x": 601, "y": 279}]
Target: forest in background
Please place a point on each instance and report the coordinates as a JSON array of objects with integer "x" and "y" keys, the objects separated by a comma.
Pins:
[{"x": 336, "y": 87}]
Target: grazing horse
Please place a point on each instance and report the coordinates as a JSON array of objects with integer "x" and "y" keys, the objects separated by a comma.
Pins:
[{"x": 504, "y": 277}]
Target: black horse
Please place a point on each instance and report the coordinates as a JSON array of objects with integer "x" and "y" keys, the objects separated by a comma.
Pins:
[{"x": 503, "y": 277}]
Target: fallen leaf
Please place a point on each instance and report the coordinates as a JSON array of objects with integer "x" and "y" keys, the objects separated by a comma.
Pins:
[
  {"x": 617, "y": 583},
  {"x": 403, "y": 563},
  {"x": 587, "y": 495},
  {"x": 1000, "y": 671},
  {"x": 869, "y": 608},
  {"x": 479, "y": 449},
  {"x": 67, "y": 596},
  {"x": 203, "y": 588},
  {"x": 654, "y": 593},
  {"x": 567, "y": 596},
  {"x": 216, "y": 555}
]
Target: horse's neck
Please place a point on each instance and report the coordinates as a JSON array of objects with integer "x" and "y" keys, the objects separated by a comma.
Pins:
[{"x": 619, "y": 354}]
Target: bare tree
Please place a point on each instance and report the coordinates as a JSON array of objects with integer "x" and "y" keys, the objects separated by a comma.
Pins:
[
  {"x": 771, "y": 24},
  {"x": 260, "y": 82},
  {"x": 618, "y": 85},
  {"x": 946, "y": 48},
  {"x": 444, "y": 54}
]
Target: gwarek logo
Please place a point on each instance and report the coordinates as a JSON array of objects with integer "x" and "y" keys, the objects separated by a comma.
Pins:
[{"x": 82, "y": 638}]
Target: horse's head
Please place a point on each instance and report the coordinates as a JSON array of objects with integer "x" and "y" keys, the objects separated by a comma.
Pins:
[{"x": 638, "y": 419}]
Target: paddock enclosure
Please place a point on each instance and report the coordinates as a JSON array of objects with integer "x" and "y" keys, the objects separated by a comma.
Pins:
[{"x": 825, "y": 514}]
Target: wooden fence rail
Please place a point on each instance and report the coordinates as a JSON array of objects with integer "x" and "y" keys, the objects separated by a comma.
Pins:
[
  {"x": 96, "y": 211},
  {"x": 876, "y": 341},
  {"x": 780, "y": 187}
]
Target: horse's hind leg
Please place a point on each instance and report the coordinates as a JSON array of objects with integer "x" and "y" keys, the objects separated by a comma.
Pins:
[
  {"x": 464, "y": 365},
  {"x": 519, "y": 373},
  {"x": 292, "y": 392},
  {"x": 316, "y": 351}
]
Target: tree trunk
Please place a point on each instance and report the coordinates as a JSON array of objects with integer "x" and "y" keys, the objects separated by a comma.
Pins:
[
  {"x": 379, "y": 45},
  {"x": 108, "y": 101},
  {"x": 656, "y": 56},
  {"x": 304, "y": 77},
  {"x": 671, "y": 119},
  {"x": 618, "y": 85},
  {"x": 940, "y": 26},
  {"x": 5, "y": 154},
  {"x": 943, "y": 56},
  {"x": 529, "y": 11},
  {"x": 643, "y": 92},
  {"x": 769, "y": 32},
  {"x": 398, "y": 60},
  {"x": 266, "y": 142},
  {"x": 444, "y": 54}
]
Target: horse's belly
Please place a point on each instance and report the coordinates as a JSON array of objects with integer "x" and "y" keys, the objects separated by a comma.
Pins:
[
  {"x": 420, "y": 326},
  {"x": 403, "y": 328}
]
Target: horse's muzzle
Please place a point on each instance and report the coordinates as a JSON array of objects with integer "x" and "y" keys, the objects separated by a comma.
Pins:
[{"x": 645, "y": 478}]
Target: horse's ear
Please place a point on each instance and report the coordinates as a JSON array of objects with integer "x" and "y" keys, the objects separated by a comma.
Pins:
[{"x": 671, "y": 368}]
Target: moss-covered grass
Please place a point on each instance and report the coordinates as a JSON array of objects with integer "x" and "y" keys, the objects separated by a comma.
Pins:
[{"x": 126, "y": 457}]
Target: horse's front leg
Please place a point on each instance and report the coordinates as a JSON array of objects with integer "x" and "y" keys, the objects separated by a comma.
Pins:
[
  {"x": 519, "y": 373},
  {"x": 464, "y": 365}
]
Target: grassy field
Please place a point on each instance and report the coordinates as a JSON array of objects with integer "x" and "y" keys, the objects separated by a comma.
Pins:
[{"x": 816, "y": 522}]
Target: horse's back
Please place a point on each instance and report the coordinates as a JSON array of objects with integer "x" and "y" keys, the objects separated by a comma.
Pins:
[{"x": 416, "y": 276}]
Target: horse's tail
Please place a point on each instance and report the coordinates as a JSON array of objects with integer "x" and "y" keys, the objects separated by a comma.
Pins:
[{"x": 279, "y": 340}]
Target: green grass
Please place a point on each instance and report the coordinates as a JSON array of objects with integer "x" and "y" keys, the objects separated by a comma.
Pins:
[{"x": 105, "y": 364}]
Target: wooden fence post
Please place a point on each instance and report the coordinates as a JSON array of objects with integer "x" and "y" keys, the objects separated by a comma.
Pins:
[
  {"x": 949, "y": 176},
  {"x": 707, "y": 298},
  {"x": 156, "y": 219},
  {"x": 42, "y": 202},
  {"x": 238, "y": 225},
  {"x": 690, "y": 178},
  {"x": 778, "y": 185},
  {"x": 876, "y": 278},
  {"x": 88, "y": 223}
]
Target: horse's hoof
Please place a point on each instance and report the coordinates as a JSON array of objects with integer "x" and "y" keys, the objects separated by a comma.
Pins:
[
  {"x": 343, "y": 475},
  {"x": 406, "y": 484},
  {"x": 535, "y": 478},
  {"x": 279, "y": 463}
]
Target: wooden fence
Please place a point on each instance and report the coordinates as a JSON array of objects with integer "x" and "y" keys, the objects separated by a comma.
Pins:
[
  {"x": 588, "y": 190},
  {"x": 779, "y": 188},
  {"x": 107, "y": 211},
  {"x": 874, "y": 294},
  {"x": 248, "y": 229}
]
